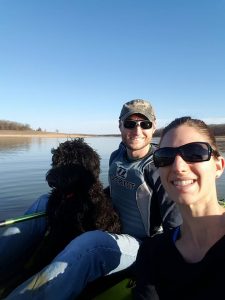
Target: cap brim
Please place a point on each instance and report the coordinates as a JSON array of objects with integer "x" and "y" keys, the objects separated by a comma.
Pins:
[{"x": 124, "y": 117}]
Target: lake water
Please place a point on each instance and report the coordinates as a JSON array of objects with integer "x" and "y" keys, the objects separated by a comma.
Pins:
[{"x": 25, "y": 161}]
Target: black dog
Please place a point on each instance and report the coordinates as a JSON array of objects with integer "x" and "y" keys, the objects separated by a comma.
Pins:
[{"x": 77, "y": 203}]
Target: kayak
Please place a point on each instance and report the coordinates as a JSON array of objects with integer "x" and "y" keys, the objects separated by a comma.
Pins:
[
  {"x": 115, "y": 286},
  {"x": 120, "y": 291},
  {"x": 110, "y": 287}
]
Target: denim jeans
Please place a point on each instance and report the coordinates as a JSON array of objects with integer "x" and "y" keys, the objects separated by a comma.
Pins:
[{"x": 87, "y": 257}]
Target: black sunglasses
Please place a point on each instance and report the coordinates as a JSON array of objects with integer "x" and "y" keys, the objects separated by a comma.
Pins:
[
  {"x": 191, "y": 152},
  {"x": 131, "y": 124}
]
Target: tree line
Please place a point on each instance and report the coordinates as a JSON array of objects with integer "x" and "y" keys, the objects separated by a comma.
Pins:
[
  {"x": 9, "y": 125},
  {"x": 217, "y": 129}
]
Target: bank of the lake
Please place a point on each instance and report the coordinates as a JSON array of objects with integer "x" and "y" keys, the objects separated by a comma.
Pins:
[{"x": 44, "y": 134}]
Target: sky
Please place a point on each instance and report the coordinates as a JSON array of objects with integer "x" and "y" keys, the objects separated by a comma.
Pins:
[{"x": 70, "y": 65}]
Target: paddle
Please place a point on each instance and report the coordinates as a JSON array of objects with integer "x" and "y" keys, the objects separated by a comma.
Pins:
[{"x": 22, "y": 218}]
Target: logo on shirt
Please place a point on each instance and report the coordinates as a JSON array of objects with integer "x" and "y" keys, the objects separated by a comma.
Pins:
[
  {"x": 120, "y": 178},
  {"x": 121, "y": 172}
]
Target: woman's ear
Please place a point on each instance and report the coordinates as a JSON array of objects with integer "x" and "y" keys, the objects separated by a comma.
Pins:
[{"x": 220, "y": 165}]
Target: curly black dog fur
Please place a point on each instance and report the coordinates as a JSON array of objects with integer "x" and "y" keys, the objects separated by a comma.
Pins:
[{"x": 77, "y": 202}]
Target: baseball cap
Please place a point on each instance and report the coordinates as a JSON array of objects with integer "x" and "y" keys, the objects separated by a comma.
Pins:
[{"x": 137, "y": 106}]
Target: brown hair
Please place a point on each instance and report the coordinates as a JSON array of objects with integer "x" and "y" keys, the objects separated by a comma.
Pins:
[{"x": 199, "y": 125}]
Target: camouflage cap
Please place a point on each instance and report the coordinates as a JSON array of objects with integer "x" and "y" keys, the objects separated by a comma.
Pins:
[{"x": 137, "y": 106}]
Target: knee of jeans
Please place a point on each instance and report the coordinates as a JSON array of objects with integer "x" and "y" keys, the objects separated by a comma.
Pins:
[
  {"x": 94, "y": 246},
  {"x": 93, "y": 239}
]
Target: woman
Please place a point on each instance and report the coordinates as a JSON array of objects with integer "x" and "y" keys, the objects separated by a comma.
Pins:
[{"x": 189, "y": 261}]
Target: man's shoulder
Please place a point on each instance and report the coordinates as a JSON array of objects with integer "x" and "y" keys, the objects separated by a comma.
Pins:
[
  {"x": 148, "y": 161},
  {"x": 115, "y": 153}
]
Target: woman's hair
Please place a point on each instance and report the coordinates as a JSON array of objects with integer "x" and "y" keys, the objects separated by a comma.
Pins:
[{"x": 199, "y": 125}]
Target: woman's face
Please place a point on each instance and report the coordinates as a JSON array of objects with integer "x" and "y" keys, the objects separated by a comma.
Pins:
[{"x": 186, "y": 182}]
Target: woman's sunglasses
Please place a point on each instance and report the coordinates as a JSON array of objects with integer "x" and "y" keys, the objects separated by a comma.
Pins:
[
  {"x": 191, "y": 152},
  {"x": 131, "y": 124}
]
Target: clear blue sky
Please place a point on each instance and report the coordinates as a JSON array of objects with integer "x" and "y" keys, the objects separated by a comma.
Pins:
[{"x": 69, "y": 65}]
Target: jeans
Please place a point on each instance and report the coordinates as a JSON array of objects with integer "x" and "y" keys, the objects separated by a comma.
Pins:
[{"x": 87, "y": 257}]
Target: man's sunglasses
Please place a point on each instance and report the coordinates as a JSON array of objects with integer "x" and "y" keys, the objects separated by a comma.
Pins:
[
  {"x": 191, "y": 152},
  {"x": 131, "y": 124}
]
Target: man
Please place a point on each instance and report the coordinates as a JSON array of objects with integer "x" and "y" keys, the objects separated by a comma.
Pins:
[
  {"x": 138, "y": 196},
  {"x": 136, "y": 190}
]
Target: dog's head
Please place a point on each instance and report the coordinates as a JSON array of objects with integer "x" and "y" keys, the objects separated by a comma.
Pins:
[
  {"x": 69, "y": 198},
  {"x": 76, "y": 152},
  {"x": 75, "y": 168},
  {"x": 67, "y": 179}
]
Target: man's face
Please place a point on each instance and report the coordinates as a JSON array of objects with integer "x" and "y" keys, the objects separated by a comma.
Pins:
[{"x": 137, "y": 138}]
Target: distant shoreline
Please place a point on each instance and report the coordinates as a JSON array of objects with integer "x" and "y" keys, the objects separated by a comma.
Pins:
[{"x": 43, "y": 134}]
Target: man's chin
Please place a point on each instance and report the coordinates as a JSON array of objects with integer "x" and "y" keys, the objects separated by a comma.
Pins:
[{"x": 135, "y": 147}]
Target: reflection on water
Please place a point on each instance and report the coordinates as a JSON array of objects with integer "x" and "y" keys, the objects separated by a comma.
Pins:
[
  {"x": 25, "y": 161},
  {"x": 10, "y": 144}
]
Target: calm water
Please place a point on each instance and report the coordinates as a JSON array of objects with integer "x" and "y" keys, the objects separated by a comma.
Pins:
[{"x": 25, "y": 161}]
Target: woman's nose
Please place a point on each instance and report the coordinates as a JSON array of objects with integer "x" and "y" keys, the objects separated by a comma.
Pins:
[{"x": 179, "y": 164}]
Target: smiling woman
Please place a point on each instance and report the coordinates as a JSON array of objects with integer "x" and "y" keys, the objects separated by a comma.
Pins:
[{"x": 189, "y": 164}]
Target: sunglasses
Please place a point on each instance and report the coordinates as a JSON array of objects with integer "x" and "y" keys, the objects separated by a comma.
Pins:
[
  {"x": 131, "y": 124},
  {"x": 191, "y": 152}
]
